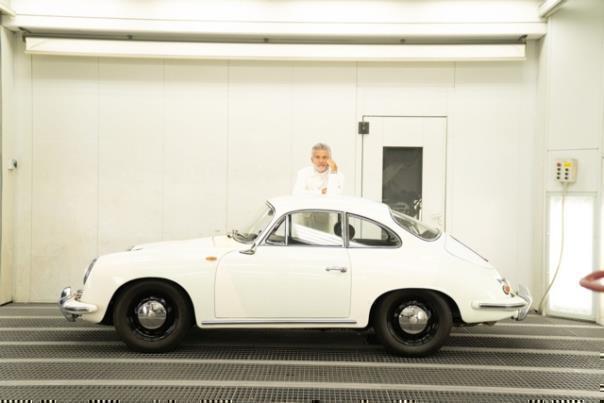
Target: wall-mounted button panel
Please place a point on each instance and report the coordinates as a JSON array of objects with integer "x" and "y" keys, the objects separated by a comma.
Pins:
[{"x": 565, "y": 171}]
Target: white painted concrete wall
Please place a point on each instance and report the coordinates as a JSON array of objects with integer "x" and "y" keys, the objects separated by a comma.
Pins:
[{"x": 117, "y": 152}]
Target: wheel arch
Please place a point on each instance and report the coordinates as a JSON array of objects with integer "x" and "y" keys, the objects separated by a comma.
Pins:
[
  {"x": 108, "y": 317},
  {"x": 455, "y": 312}
]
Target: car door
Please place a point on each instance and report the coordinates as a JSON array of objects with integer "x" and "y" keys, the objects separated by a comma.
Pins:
[
  {"x": 376, "y": 258},
  {"x": 300, "y": 271}
]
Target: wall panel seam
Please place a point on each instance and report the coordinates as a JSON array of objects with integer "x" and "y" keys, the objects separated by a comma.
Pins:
[
  {"x": 98, "y": 156},
  {"x": 163, "y": 116},
  {"x": 31, "y": 172},
  {"x": 228, "y": 144}
]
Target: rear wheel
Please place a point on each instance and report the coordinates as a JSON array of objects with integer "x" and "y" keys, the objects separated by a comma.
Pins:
[
  {"x": 152, "y": 316},
  {"x": 413, "y": 323}
]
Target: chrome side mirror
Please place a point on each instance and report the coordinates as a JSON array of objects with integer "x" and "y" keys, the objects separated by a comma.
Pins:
[{"x": 249, "y": 251}]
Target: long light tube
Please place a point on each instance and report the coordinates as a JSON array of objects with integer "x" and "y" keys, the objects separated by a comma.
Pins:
[{"x": 265, "y": 51}]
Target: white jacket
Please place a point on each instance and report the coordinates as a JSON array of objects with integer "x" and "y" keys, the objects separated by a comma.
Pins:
[{"x": 310, "y": 181}]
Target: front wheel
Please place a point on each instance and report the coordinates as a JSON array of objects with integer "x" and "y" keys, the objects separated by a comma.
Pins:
[
  {"x": 413, "y": 322},
  {"x": 152, "y": 316}
]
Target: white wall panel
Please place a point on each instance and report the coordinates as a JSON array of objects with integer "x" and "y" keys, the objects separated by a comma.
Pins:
[
  {"x": 131, "y": 160},
  {"x": 64, "y": 176},
  {"x": 324, "y": 110},
  {"x": 260, "y": 136},
  {"x": 7, "y": 62},
  {"x": 404, "y": 88},
  {"x": 406, "y": 75},
  {"x": 195, "y": 149},
  {"x": 22, "y": 152},
  {"x": 576, "y": 76},
  {"x": 490, "y": 174}
]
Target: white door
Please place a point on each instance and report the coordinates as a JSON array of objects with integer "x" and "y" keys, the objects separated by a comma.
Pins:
[
  {"x": 302, "y": 275},
  {"x": 404, "y": 161}
]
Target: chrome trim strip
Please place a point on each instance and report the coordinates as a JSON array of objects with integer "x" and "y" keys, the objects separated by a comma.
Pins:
[
  {"x": 278, "y": 322},
  {"x": 491, "y": 305}
]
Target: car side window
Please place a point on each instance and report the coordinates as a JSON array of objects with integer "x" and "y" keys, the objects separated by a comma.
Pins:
[
  {"x": 365, "y": 233},
  {"x": 314, "y": 228}
]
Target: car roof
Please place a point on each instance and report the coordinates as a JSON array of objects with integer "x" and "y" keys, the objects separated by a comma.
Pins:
[{"x": 352, "y": 204}]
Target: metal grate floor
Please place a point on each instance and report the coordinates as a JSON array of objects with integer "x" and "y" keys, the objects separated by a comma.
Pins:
[
  {"x": 261, "y": 395},
  {"x": 44, "y": 357}
]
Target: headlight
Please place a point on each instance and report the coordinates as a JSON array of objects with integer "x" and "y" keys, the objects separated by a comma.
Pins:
[{"x": 89, "y": 269}]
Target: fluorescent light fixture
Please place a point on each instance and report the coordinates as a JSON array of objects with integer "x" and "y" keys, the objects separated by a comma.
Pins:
[
  {"x": 566, "y": 297},
  {"x": 6, "y": 9},
  {"x": 266, "y": 51},
  {"x": 276, "y": 29},
  {"x": 549, "y": 7}
]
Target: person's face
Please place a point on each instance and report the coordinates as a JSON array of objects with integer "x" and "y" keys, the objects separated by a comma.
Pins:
[{"x": 319, "y": 160}]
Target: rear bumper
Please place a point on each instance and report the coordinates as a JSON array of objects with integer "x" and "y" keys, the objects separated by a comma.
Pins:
[
  {"x": 521, "y": 303},
  {"x": 71, "y": 307}
]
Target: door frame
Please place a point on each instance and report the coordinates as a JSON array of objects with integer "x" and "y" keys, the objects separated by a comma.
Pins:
[{"x": 360, "y": 157}]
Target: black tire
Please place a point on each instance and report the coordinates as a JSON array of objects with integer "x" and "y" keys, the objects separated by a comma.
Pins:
[
  {"x": 145, "y": 335},
  {"x": 426, "y": 338}
]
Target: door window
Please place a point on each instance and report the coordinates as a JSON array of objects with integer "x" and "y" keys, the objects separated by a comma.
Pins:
[
  {"x": 308, "y": 228},
  {"x": 364, "y": 233}
]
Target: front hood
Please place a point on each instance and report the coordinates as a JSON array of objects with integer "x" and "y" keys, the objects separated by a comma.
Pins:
[{"x": 197, "y": 243}]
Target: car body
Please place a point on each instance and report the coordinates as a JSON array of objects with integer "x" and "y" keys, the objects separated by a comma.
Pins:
[{"x": 311, "y": 262}]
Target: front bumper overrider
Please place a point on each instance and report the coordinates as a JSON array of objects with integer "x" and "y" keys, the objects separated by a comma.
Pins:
[{"x": 71, "y": 307}]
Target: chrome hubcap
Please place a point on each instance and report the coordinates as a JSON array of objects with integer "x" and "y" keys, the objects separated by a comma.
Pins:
[
  {"x": 413, "y": 319},
  {"x": 151, "y": 314}
]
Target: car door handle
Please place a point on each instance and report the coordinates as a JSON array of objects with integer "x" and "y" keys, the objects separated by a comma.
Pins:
[{"x": 336, "y": 268}]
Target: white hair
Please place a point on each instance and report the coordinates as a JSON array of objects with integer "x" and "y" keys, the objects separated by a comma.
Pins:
[{"x": 320, "y": 146}]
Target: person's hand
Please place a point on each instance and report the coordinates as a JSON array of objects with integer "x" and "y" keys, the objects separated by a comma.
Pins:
[
  {"x": 333, "y": 167},
  {"x": 323, "y": 191}
]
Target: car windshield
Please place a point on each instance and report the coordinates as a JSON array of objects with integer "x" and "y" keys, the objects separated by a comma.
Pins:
[
  {"x": 417, "y": 228},
  {"x": 260, "y": 222}
]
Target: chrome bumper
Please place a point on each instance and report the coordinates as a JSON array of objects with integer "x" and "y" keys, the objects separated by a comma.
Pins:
[
  {"x": 71, "y": 307},
  {"x": 525, "y": 294},
  {"x": 522, "y": 306}
]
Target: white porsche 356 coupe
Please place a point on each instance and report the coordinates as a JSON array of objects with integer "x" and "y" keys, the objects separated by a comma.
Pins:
[{"x": 305, "y": 262}]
